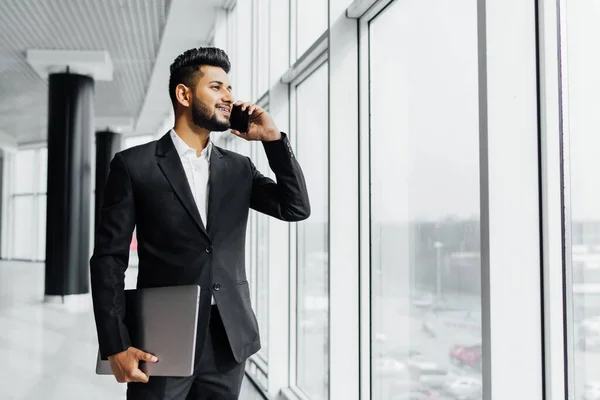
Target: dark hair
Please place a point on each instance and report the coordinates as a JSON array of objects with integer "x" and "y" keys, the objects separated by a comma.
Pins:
[{"x": 186, "y": 67}]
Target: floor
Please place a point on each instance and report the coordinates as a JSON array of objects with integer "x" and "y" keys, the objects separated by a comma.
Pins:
[{"x": 49, "y": 352}]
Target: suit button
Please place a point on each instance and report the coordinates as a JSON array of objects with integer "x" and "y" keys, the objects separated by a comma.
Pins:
[
  {"x": 217, "y": 286},
  {"x": 208, "y": 249}
]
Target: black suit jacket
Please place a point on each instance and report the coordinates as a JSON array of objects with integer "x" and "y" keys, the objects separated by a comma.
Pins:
[{"x": 147, "y": 189}]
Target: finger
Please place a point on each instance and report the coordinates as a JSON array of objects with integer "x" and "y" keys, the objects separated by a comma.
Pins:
[
  {"x": 142, "y": 355},
  {"x": 257, "y": 114},
  {"x": 239, "y": 134},
  {"x": 246, "y": 105},
  {"x": 138, "y": 376}
]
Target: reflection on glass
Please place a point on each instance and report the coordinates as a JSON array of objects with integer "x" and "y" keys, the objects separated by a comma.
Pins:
[
  {"x": 425, "y": 240},
  {"x": 311, "y": 22},
  {"x": 582, "y": 122},
  {"x": 313, "y": 245}
]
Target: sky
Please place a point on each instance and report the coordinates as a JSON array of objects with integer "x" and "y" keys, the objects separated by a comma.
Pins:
[
  {"x": 583, "y": 106},
  {"x": 424, "y": 110}
]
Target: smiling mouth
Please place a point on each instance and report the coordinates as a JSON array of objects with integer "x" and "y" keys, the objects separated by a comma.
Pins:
[{"x": 225, "y": 110}]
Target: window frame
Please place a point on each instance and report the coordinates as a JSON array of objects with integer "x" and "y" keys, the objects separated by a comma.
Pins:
[
  {"x": 9, "y": 223},
  {"x": 296, "y": 390},
  {"x": 509, "y": 170},
  {"x": 557, "y": 264},
  {"x": 494, "y": 306}
]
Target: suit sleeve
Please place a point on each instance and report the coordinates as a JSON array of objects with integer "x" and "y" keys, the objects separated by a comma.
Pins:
[
  {"x": 111, "y": 257},
  {"x": 286, "y": 199}
]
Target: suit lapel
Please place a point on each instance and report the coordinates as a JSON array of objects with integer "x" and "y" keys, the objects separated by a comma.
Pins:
[
  {"x": 216, "y": 180},
  {"x": 170, "y": 164}
]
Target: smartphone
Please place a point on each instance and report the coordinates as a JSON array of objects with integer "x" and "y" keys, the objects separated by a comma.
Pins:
[{"x": 239, "y": 120}]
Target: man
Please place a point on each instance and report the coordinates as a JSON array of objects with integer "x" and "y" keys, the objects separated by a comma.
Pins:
[{"x": 189, "y": 201}]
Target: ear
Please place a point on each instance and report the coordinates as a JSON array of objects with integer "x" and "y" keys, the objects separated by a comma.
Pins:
[{"x": 183, "y": 95}]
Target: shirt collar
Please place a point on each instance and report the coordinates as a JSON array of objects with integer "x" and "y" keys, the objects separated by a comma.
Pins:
[{"x": 183, "y": 148}]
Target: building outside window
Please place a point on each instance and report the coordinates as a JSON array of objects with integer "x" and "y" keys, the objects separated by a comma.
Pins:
[{"x": 424, "y": 202}]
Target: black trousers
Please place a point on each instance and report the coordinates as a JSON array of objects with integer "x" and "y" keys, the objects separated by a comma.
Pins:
[{"x": 217, "y": 376}]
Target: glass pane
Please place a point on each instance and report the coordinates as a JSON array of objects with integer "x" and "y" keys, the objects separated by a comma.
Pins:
[
  {"x": 583, "y": 120},
  {"x": 41, "y": 227},
  {"x": 24, "y": 172},
  {"x": 313, "y": 245},
  {"x": 23, "y": 227},
  {"x": 263, "y": 46},
  {"x": 43, "y": 170},
  {"x": 311, "y": 21},
  {"x": 262, "y": 261},
  {"x": 262, "y": 290},
  {"x": 241, "y": 65},
  {"x": 425, "y": 244}
]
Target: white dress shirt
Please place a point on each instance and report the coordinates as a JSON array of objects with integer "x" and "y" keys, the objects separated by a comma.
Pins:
[{"x": 197, "y": 171}]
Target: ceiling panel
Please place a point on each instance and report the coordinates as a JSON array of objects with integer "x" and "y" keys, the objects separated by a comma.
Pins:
[{"x": 130, "y": 30}]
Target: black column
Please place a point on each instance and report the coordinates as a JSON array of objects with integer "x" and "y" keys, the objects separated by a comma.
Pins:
[
  {"x": 70, "y": 130},
  {"x": 108, "y": 143}
]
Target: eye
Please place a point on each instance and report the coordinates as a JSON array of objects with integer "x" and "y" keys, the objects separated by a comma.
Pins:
[{"x": 215, "y": 87}]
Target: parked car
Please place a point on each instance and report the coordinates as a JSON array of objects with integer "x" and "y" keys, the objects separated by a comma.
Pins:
[
  {"x": 466, "y": 356},
  {"x": 385, "y": 366},
  {"x": 465, "y": 388},
  {"x": 589, "y": 334},
  {"x": 427, "y": 373},
  {"x": 423, "y": 300},
  {"x": 591, "y": 391}
]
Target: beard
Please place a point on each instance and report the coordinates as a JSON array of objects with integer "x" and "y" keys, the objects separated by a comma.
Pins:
[{"x": 202, "y": 117}]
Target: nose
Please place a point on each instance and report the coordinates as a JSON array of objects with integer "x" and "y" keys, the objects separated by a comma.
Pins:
[{"x": 228, "y": 98}]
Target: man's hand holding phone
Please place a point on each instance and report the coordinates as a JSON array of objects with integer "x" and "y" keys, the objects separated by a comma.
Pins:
[
  {"x": 260, "y": 124},
  {"x": 125, "y": 365}
]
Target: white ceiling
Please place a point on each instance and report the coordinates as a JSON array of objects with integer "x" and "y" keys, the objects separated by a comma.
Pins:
[{"x": 143, "y": 37}]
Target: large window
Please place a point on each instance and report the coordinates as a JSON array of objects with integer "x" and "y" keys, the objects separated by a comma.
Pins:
[
  {"x": 262, "y": 259},
  {"x": 312, "y": 316},
  {"x": 27, "y": 205},
  {"x": 311, "y": 22},
  {"x": 424, "y": 203},
  {"x": 258, "y": 271},
  {"x": 582, "y": 121}
]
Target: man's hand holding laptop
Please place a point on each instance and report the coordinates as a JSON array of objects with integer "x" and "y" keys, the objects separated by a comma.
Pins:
[{"x": 125, "y": 365}]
